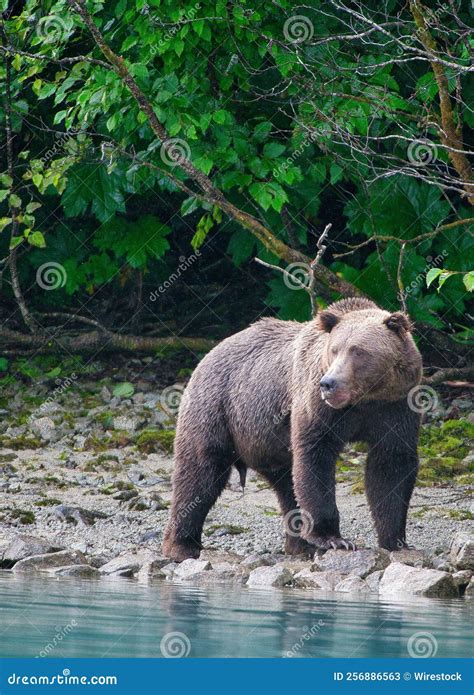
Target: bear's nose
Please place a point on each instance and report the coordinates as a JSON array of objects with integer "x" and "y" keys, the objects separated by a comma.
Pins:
[{"x": 328, "y": 383}]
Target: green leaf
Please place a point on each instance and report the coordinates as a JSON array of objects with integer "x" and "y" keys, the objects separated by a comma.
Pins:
[
  {"x": 432, "y": 274},
  {"x": 124, "y": 390},
  {"x": 220, "y": 116},
  {"x": 273, "y": 149},
  {"x": 203, "y": 228},
  {"x": 3, "y": 364},
  {"x": 14, "y": 201},
  {"x": 4, "y": 222},
  {"x": 468, "y": 281},
  {"x": 37, "y": 239},
  {"x": 31, "y": 207}
]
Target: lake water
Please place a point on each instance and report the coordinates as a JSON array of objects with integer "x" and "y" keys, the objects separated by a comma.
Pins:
[{"x": 121, "y": 618}]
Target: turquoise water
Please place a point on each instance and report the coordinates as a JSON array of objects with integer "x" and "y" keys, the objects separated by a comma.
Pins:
[{"x": 120, "y": 618}]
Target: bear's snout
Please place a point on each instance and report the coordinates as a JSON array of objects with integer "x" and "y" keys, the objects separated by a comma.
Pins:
[
  {"x": 334, "y": 392},
  {"x": 328, "y": 384}
]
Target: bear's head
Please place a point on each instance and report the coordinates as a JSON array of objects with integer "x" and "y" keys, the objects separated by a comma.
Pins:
[{"x": 369, "y": 354}]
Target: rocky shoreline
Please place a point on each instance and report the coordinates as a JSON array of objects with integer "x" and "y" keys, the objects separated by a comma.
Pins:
[
  {"x": 85, "y": 485},
  {"x": 366, "y": 571}
]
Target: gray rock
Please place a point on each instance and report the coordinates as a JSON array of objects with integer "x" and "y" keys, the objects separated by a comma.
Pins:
[
  {"x": 266, "y": 577},
  {"x": 128, "y": 423},
  {"x": 44, "y": 428},
  {"x": 78, "y": 515},
  {"x": 462, "y": 578},
  {"x": 470, "y": 589},
  {"x": 373, "y": 580},
  {"x": 23, "y": 546},
  {"x": 169, "y": 569},
  {"x": 353, "y": 584},
  {"x": 38, "y": 563},
  {"x": 132, "y": 562},
  {"x": 358, "y": 562},
  {"x": 105, "y": 394},
  {"x": 81, "y": 571},
  {"x": 326, "y": 581},
  {"x": 190, "y": 569},
  {"x": 403, "y": 579},
  {"x": 462, "y": 551},
  {"x": 407, "y": 556},
  {"x": 253, "y": 561}
]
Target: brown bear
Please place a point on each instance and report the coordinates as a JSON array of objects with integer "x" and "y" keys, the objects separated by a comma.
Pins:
[{"x": 283, "y": 398}]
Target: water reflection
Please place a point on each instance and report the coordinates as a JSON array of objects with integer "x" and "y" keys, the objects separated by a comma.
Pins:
[{"x": 66, "y": 618}]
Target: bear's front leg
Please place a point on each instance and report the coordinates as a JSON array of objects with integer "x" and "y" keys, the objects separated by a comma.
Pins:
[
  {"x": 390, "y": 477},
  {"x": 314, "y": 477}
]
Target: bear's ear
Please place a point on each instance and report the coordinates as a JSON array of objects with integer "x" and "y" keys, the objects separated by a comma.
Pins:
[
  {"x": 326, "y": 320},
  {"x": 398, "y": 322}
]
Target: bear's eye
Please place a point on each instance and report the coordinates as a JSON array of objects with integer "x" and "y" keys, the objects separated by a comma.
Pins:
[{"x": 357, "y": 351}]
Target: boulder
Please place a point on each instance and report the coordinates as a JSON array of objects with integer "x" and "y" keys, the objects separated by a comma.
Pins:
[
  {"x": 405, "y": 580},
  {"x": 353, "y": 584},
  {"x": 267, "y": 577},
  {"x": 373, "y": 580},
  {"x": 131, "y": 562},
  {"x": 407, "y": 556},
  {"x": 308, "y": 579},
  {"x": 191, "y": 569},
  {"x": 462, "y": 578},
  {"x": 358, "y": 562},
  {"x": 469, "y": 593},
  {"x": 462, "y": 551},
  {"x": 38, "y": 563},
  {"x": 128, "y": 423},
  {"x": 44, "y": 428},
  {"x": 254, "y": 560},
  {"x": 81, "y": 571},
  {"x": 23, "y": 546},
  {"x": 78, "y": 515}
]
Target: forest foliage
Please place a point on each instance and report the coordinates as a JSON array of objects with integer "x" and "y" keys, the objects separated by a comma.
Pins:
[{"x": 300, "y": 115}]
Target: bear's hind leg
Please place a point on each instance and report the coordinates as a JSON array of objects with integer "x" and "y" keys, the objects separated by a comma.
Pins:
[
  {"x": 198, "y": 480},
  {"x": 282, "y": 482}
]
